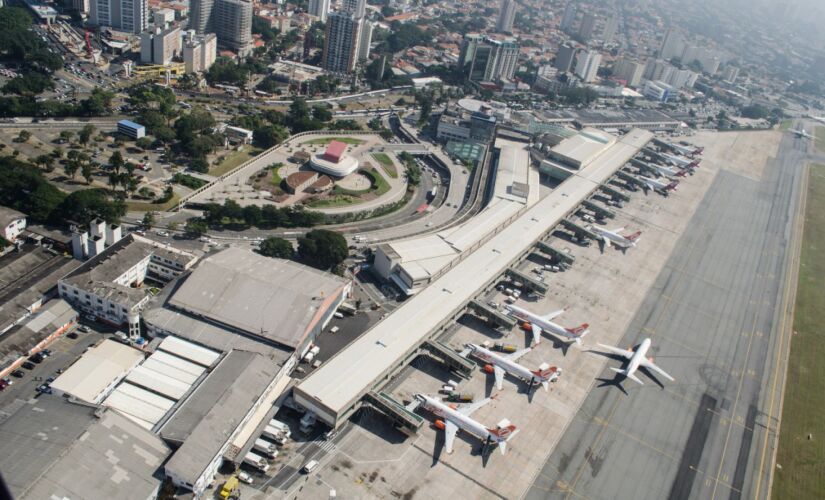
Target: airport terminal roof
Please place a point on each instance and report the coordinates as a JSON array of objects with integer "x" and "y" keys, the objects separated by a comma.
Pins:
[
  {"x": 277, "y": 299},
  {"x": 334, "y": 388},
  {"x": 99, "y": 367},
  {"x": 582, "y": 148},
  {"x": 215, "y": 410},
  {"x": 51, "y": 448}
]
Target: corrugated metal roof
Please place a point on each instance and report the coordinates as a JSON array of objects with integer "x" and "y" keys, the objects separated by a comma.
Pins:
[{"x": 189, "y": 351}]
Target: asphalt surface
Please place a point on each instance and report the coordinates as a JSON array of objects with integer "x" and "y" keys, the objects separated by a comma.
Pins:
[{"x": 714, "y": 318}]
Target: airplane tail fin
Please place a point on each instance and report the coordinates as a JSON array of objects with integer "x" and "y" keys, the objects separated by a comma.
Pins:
[
  {"x": 694, "y": 164},
  {"x": 503, "y": 432},
  {"x": 635, "y": 237},
  {"x": 681, "y": 173},
  {"x": 672, "y": 186},
  {"x": 579, "y": 332},
  {"x": 545, "y": 385}
]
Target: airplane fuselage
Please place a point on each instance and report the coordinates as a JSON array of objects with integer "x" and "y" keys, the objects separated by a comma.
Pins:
[
  {"x": 545, "y": 325},
  {"x": 460, "y": 420},
  {"x": 638, "y": 357},
  {"x": 610, "y": 235},
  {"x": 677, "y": 160},
  {"x": 506, "y": 364}
]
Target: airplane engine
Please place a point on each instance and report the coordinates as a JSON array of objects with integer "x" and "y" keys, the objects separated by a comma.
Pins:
[
  {"x": 488, "y": 368},
  {"x": 440, "y": 425},
  {"x": 527, "y": 327}
]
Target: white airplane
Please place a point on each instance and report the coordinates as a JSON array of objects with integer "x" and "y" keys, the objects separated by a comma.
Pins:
[
  {"x": 820, "y": 119},
  {"x": 637, "y": 359},
  {"x": 501, "y": 364},
  {"x": 458, "y": 417},
  {"x": 613, "y": 237},
  {"x": 680, "y": 162},
  {"x": 686, "y": 150},
  {"x": 666, "y": 171},
  {"x": 537, "y": 324},
  {"x": 801, "y": 133},
  {"x": 662, "y": 187}
]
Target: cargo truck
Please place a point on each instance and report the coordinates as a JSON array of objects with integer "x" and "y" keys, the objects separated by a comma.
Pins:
[
  {"x": 256, "y": 461},
  {"x": 265, "y": 447}
]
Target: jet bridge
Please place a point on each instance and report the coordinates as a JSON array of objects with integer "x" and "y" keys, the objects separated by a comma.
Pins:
[
  {"x": 600, "y": 211},
  {"x": 449, "y": 357},
  {"x": 629, "y": 178},
  {"x": 528, "y": 281},
  {"x": 644, "y": 166},
  {"x": 616, "y": 195},
  {"x": 493, "y": 316},
  {"x": 557, "y": 255},
  {"x": 579, "y": 230},
  {"x": 406, "y": 421}
]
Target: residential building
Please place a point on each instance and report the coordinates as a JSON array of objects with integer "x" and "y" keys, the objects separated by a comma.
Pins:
[
  {"x": 629, "y": 70},
  {"x": 658, "y": 91},
  {"x": 199, "y": 52},
  {"x": 12, "y": 223},
  {"x": 200, "y": 18},
  {"x": 233, "y": 25},
  {"x": 342, "y": 43},
  {"x": 319, "y": 9},
  {"x": 611, "y": 24},
  {"x": 657, "y": 69},
  {"x": 160, "y": 46},
  {"x": 163, "y": 17},
  {"x": 81, "y": 6},
  {"x": 587, "y": 65},
  {"x": 568, "y": 19},
  {"x": 587, "y": 27},
  {"x": 506, "y": 16},
  {"x": 565, "y": 57},
  {"x": 358, "y": 8},
  {"x": 131, "y": 16},
  {"x": 673, "y": 45},
  {"x": 681, "y": 78},
  {"x": 731, "y": 73},
  {"x": 364, "y": 40}
]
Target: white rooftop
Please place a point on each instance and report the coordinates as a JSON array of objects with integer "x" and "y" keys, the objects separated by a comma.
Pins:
[
  {"x": 332, "y": 389},
  {"x": 581, "y": 149},
  {"x": 97, "y": 370}
]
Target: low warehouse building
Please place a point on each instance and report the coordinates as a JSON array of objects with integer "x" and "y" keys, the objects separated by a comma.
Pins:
[
  {"x": 92, "y": 377},
  {"x": 35, "y": 334}
]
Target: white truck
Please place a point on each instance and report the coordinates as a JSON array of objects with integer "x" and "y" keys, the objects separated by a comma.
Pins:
[
  {"x": 282, "y": 427},
  {"x": 256, "y": 461},
  {"x": 265, "y": 447}
]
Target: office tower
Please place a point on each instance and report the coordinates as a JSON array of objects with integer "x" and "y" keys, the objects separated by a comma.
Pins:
[
  {"x": 564, "y": 58},
  {"x": 506, "y": 16},
  {"x": 159, "y": 46},
  {"x": 588, "y": 27},
  {"x": 569, "y": 16},
  {"x": 630, "y": 71},
  {"x": 672, "y": 46},
  {"x": 587, "y": 65},
  {"x": 319, "y": 9},
  {"x": 358, "y": 8},
  {"x": 199, "y": 51},
  {"x": 364, "y": 39},
  {"x": 232, "y": 21},
  {"x": 610, "y": 27},
  {"x": 131, "y": 16},
  {"x": 341, "y": 43},
  {"x": 484, "y": 59}
]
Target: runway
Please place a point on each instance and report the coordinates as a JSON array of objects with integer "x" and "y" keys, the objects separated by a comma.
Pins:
[{"x": 714, "y": 314}]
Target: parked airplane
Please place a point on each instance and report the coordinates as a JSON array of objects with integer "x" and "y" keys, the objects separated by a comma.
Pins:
[
  {"x": 687, "y": 150},
  {"x": 667, "y": 171},
  {"x": 820, "y": 119},
  {"x": 678, "y": 161},
  {"x": 613, "y": 237},
  {"x": 661, "y": 187},
  {"x": 537, "y": 324},
  {"x": 458, "y": 417},
  {"x": 802, "y": 134},
  {"x": 637, "y": 360},
  {"x": 500, "y": 364}
]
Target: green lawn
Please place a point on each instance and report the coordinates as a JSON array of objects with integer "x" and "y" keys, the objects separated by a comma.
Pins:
[
  {"x": 326, "y": 140},
  {"x": 785, "y": 125},
  {"x": 387, "y": 164},
  {"x": 233, "y": 160},
  {"x": 136, "y": 206},
  {"x": 819, "y": 133},
  {"x": 379, "y": 183},
  {"x": 333, "y": 201},
  {"x": 276, "y": 175},
  {"x": 802, "y": 461}
]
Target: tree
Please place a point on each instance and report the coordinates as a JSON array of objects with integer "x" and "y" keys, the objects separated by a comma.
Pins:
[
  {"x": 72, "y": 165},
  {"x": 24, "y": 136},
  {"x": 270, "y": 135},
  {"x": 321, "y": 113},
  {"x": 86, "y": 171},
  {"x": 116, "y": 161},
  {"x": 276, "y": 247},
  {"x": 200, "y": 164},
  {"x": 83, "y": 206},
  {"x": 148, "y": 220},
  {"x": 45, "y": 161},
  {"x": 85, "y": 134},
  {"x": 196, "y": 227},
  {"x": 144, "y": 143},
  {"x": 322, "y": 248},
  {"x": 66, "y": 135}
]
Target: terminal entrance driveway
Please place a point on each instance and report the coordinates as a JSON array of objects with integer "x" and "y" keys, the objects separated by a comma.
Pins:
[{"x": 714, "y": 318}]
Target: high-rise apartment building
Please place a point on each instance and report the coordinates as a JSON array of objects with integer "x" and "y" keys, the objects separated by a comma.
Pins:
[
  {"x": 568, "y": 19},
  {"x": 672, "y": 46},
  {"x": 506, "y": 16},
  {"x": 160, "y": 46},
  {"x": 319, "y": 9},
  {"x": 199, "y": 52},
  {"x": 611, "y": 24},
  {"x": 341, "y": 42},
  {"x": 131, "y": 16},
  {"x": 233, "y": 24},
  {"x": 731, "y": 73},
  {"x": 587, "y": 65},
  {"x": 588, "y": 27},
  {"x": 358, "y": 8},
  {"x": 564, "y": 58},
  {"x": 364, "y": 39},
  {"x": 630, "y": 71}
]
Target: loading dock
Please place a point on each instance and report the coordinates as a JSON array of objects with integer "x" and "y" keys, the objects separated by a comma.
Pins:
[
  {"x": 600, "y": 211},
  {"x": 579, "y": 230},
  {"x": 557, "y": 255},
  {"x": 616, "y": 195},
  {"x": 629, "y": 178}
]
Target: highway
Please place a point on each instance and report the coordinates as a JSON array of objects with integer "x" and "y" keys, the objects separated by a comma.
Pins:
[{"x": 717, "y": 316}]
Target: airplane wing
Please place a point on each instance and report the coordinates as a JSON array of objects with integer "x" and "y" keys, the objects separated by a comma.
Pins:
[
  {"x": 469, "y": 408},
  {"x": 607, "y": 241},
  {"x": 652, "y": 366},
  {"x": 499, "y": 374},
  {"x": 536, "y": 333},
  {"x": 627, "y": 353},
  {"x": 619, "y": 230},
  {"x": 518, "y": 354},
  {"x": 553, "y": 314},
  {"x": 450, "y": 430}
]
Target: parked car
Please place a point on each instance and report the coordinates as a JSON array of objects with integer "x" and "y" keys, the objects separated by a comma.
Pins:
[
  {"x": 3, "y": 385},
  {"x": 44, "y": 389},
  {"x": 28, "y": 365},
  {"x": 18, "y": 373},
  {"x": 72, "y": 335}
]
